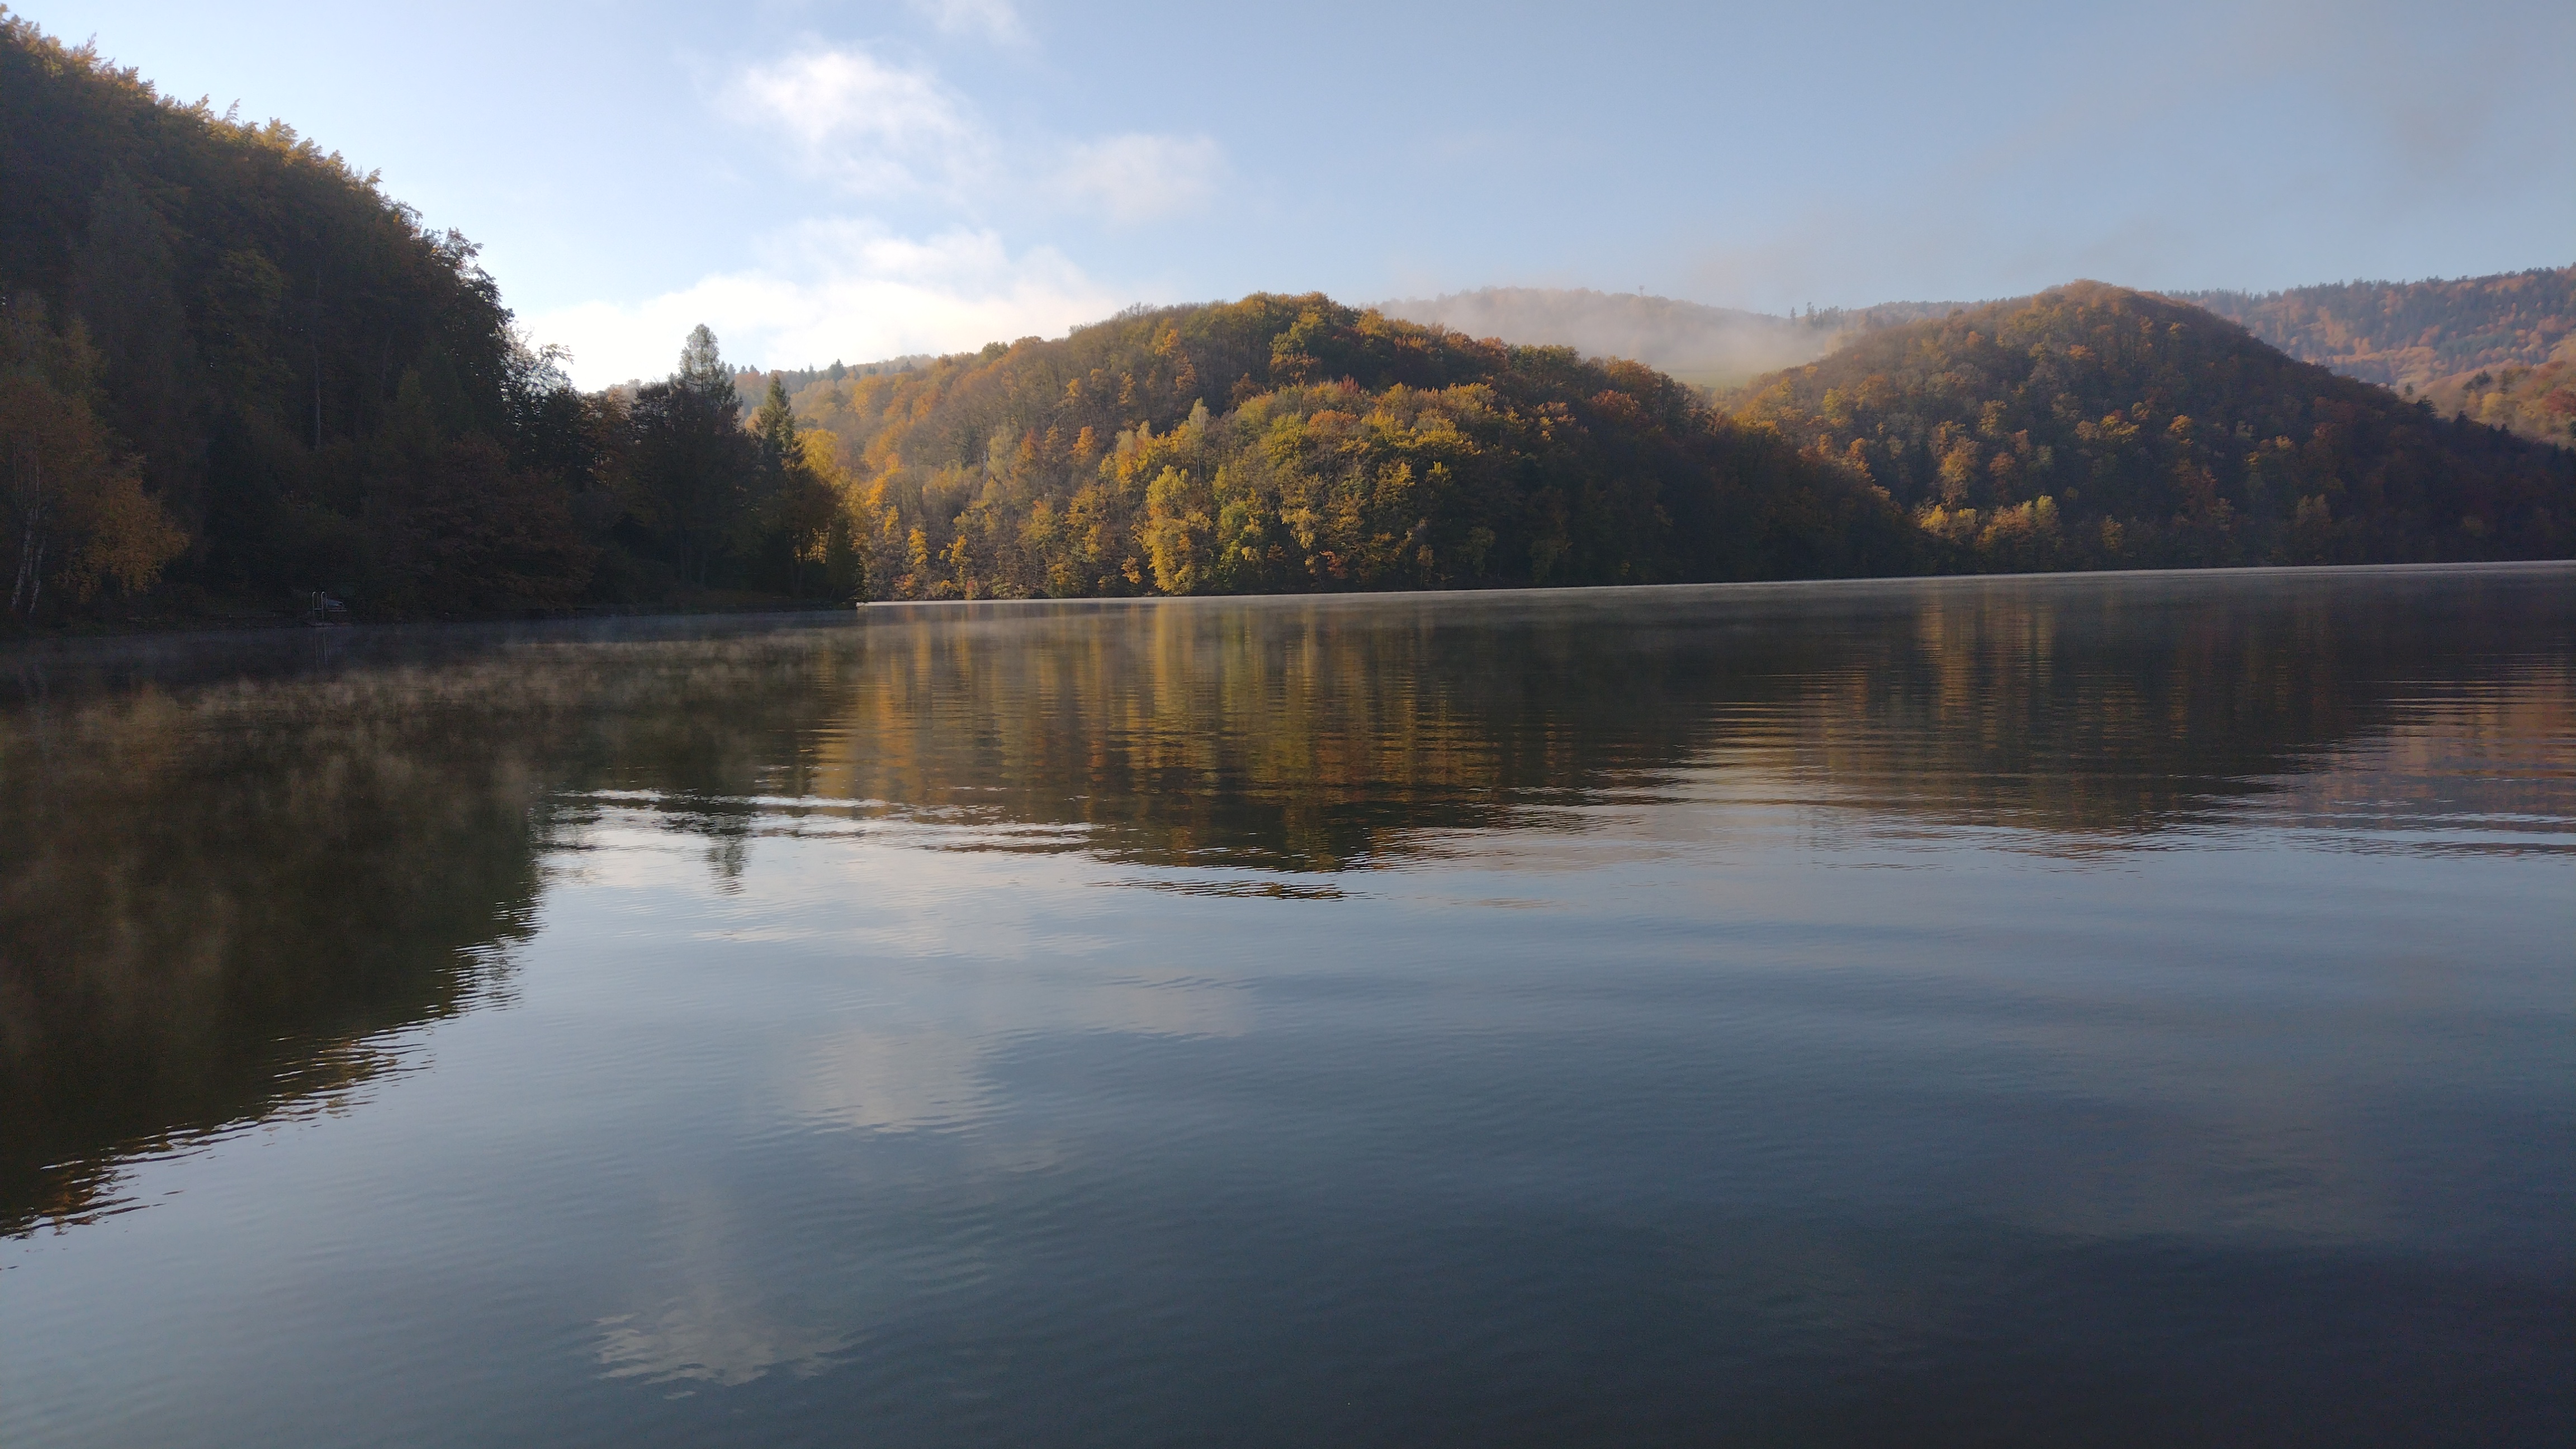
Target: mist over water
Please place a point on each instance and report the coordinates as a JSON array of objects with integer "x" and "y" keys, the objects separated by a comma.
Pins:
[{"x": 2117, "y": 1009}]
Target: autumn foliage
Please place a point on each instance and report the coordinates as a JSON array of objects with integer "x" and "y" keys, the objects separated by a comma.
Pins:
[
  {"x": 2093, "y": 427},
  {"x": 1284, "y": 444}
]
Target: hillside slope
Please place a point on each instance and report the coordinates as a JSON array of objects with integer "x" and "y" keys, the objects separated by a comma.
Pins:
[
  {"x": 2092, "y": 426},
  {"x": 311, "y": 389},
  {"x": 233, "y": 372},
  {"x": 2535, "y": 402},
  {"x": 2411, "y": 334},
  {"x": 1291, "y": 443}
]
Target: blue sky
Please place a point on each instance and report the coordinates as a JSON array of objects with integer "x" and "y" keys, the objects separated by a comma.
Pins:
[{"x": 859, "y": 180}]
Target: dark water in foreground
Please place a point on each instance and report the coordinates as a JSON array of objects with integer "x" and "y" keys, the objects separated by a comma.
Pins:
[{"x": 2109, "y": 1010}]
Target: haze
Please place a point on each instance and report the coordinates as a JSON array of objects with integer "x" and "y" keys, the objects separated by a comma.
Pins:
[{"x": 858, "y": 181}]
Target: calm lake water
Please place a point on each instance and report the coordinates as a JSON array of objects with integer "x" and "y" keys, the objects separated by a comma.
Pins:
[{"x": 2087, "y": 1010}]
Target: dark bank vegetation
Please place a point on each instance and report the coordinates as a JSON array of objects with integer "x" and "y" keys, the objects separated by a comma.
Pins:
[
  {"x": 236, "y": 379},
  {"x": 233, "y": 371}
]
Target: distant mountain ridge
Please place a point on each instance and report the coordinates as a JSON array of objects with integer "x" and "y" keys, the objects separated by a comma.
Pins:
[
  {"x": 2483, "y": 346},
  {"x": 751, "y": 384},
  {"x": 2410, "y": 334}
]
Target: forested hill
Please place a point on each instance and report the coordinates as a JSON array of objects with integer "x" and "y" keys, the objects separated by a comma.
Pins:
[
  {"x": 233, "y": 372},
  {"x": 1291, "y": 443},
  {"x": 2402, "y": 334},
  {"x": 2498, "y": 350},
  {"x": 2096, "y": 427},
  {"x": 752, "y": 385},
  {"x": 236, "y": 368}
]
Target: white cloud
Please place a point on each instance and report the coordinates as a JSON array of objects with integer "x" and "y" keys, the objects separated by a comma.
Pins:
[
  {"x": 995, "y": 20},
  {"x": 882, "y": 130},
  {"x": 846, "y": 289},
  {"x": 874, "y": 127},
  {"x": 855, "y": 289},
  {"x": 1137, "y": 178}
]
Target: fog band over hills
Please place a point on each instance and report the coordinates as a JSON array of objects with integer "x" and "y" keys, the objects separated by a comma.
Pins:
[
  {"x": 1700, "y": 344},
  {"x": 1692, "y": 341}
]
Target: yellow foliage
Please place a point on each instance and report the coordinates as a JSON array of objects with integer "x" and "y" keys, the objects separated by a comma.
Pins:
[{"x": 77, "y": 505}]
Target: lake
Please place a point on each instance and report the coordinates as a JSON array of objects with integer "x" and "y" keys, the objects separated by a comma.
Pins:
[{"x": 2112, "y": 1009}]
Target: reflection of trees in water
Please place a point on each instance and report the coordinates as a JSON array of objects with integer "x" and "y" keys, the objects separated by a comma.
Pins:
[
  {"x": 1327, "y": 734},
  {"x": 2492, "y": 769},
  {"x": 1298, "y": 736},
  {"x": 2087, "y": 709},
  {"x": 216, "y": 893},
  {"x": 210, "y": 899}
]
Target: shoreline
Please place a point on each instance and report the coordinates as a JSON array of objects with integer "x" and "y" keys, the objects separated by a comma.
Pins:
[{"x": 30, "y": 648}]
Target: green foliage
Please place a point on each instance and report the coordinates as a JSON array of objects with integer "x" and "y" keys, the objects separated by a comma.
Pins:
[
  {"x": 692, "y": 463},
  {"x": 795, "y": 531},
  {"x": 2096, "y": 427}
]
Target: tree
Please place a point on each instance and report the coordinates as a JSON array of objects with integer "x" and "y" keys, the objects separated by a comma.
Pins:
[
  {"x": 74, "y": 497},
  {"x": 460, "y": 528},
  {"x": 122, "y": 290},
  {"x": 695, "y": 467},
  {"x": 796, "y": 506}
]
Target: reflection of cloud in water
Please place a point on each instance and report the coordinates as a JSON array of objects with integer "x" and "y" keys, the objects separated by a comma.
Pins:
[
  {"x": 720, "y": 1326},
  {"x": 889, "y": 1079},
  {"x": 892, "y": 1081},
  {"x": 712, "y": 1341}
]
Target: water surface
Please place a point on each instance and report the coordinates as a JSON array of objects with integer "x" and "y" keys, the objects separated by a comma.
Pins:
[{"x": 2129, "y": 1009}]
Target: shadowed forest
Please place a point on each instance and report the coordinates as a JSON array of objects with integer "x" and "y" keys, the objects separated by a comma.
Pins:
[{"x": 238, "y": 382}]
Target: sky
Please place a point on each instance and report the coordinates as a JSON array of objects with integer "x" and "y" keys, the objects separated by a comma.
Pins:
[{"x": 855, "y": 181}]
